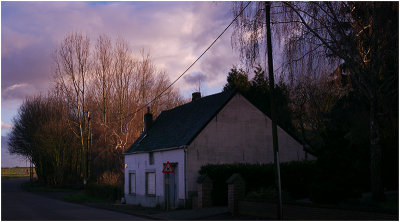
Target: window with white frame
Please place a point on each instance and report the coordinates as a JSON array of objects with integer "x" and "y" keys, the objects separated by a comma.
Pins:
[
  {"x": 132, "y": 183},
  {"x": 151, "y": 183}
]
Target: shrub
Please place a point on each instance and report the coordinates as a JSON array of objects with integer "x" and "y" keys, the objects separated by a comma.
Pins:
[
  {"x": 109, "y": 192},
  {"x": 82, "y": 197},
  {"x": 339, "y": 175},
  {"x": 250, "y": 173},
  {"x": 109, "y": 178},
  {"x": 296, "y": 178}
]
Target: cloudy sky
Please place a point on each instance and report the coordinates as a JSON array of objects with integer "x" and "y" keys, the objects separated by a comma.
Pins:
[{"x": 175, "y": 34}]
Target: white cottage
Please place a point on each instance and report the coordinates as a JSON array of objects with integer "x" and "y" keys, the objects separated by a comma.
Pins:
[{"x": 216, "y": 129}]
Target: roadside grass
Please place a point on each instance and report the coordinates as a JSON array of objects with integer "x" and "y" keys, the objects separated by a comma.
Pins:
[
  {"x": 67, "y": 194},
  {"x": 130, "y": 207},
  {"x": 364, "y": 203},
  {"x": 99, "y": 194},
  {"x": 134, "y": 209},
  {"x": 36, "y": 188},
  {"x": 390, "y": 204},
  {"x": 83, "y": 197}
]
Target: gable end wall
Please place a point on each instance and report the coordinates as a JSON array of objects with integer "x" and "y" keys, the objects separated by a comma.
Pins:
[{"x": 239, "y": 133}]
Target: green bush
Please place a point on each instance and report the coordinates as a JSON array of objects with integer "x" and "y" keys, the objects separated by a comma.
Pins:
[
  {"x": 296, "y": 178},
  {"x": 108, "y": 192},
  {"x": 220, "y": 173},
  {"x": 340, "y": 174},
  {"x": 82, "y": 197}
]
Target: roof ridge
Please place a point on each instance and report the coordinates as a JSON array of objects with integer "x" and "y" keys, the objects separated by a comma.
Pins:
[{"x": 201, "y": 99}]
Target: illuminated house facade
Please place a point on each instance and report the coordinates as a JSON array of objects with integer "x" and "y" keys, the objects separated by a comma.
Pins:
[{"x": 216, "y": 129}]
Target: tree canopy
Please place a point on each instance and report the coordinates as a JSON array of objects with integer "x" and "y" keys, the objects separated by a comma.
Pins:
[
  {"x": 80, "y": 129},
  {"x": 326, "y": 41}
]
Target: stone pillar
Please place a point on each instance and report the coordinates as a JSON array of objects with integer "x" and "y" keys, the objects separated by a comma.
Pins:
[
  {"x": 204, "y": 191},
  {"x": 236, "y": 191},
  {"x": 193, "y": 201}
]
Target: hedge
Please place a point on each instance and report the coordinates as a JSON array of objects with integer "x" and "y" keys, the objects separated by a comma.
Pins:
[
  {"x": 296, "y": 178},
  {"x": 109, "y": 192}
]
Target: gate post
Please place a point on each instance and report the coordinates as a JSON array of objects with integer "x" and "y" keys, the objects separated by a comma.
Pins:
[
  {"x": 236, "y": 191},
  {"x": 204, "y": 191}
]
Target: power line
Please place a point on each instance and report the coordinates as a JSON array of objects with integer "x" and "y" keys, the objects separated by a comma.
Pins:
[{"x": 159, "y": 95}]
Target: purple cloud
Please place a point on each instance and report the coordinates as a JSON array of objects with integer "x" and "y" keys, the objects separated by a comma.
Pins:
[
  {"x": 175, "y": 33},
  {"x": 194, "y": 78}
]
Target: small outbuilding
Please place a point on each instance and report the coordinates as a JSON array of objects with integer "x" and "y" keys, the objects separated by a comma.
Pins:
[{"x": 217, "y": 129}]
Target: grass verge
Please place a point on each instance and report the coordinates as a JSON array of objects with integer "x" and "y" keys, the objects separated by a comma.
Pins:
[
  {"x": 390, "y": 204},
  {"x": 365, "y": 203},
  {"x": 38, "y": 188},
  {"x": 83, "y": 197},
  {"x": 94, "y": 194}
]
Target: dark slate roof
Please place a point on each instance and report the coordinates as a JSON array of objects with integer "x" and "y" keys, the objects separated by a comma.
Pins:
[{"x": 179, "y": 126}]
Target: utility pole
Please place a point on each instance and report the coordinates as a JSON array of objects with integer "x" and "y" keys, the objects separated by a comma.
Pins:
[
  {"x": 86, "y": 148},
  {"x": 273, "y": 114}
]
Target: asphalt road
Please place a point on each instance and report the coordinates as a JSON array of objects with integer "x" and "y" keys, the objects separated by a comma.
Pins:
[{"x": 18, "y": 204}]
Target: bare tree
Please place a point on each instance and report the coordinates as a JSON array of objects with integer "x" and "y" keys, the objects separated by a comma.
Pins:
[
  {"x": 123, "y": 74},
  {"x": 320, "y": 36},
  {"x": 111, "y": 83},
  {"x": 72, "y": 68},
  {"x": 103, "y": 68}
]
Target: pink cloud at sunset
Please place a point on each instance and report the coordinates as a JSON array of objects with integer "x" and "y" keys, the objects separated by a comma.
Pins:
[{"x": 174, "y": 33}]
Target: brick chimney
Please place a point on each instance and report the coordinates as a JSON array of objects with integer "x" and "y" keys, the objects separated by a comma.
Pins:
[
  {"x": 196, "y": 96},
  {"x": 148, "y": 119}
]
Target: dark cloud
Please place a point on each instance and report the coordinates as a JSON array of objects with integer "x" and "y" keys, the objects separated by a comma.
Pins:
[
  {"x": 195, "y": 77},
  {"x": 26, "y": 71},
  {"x": 175, "y": 33},
  {"x": 220, "y": 60}
]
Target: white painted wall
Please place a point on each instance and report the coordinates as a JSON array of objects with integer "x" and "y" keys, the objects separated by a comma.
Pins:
[{"x": 139, "y": 163}]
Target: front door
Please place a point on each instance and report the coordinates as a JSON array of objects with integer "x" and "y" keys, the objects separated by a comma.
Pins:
[{"x": 170, "y": 188}]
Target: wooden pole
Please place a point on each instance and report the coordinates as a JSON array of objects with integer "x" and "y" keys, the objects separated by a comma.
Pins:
[{"x": 273, "y": 115}]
